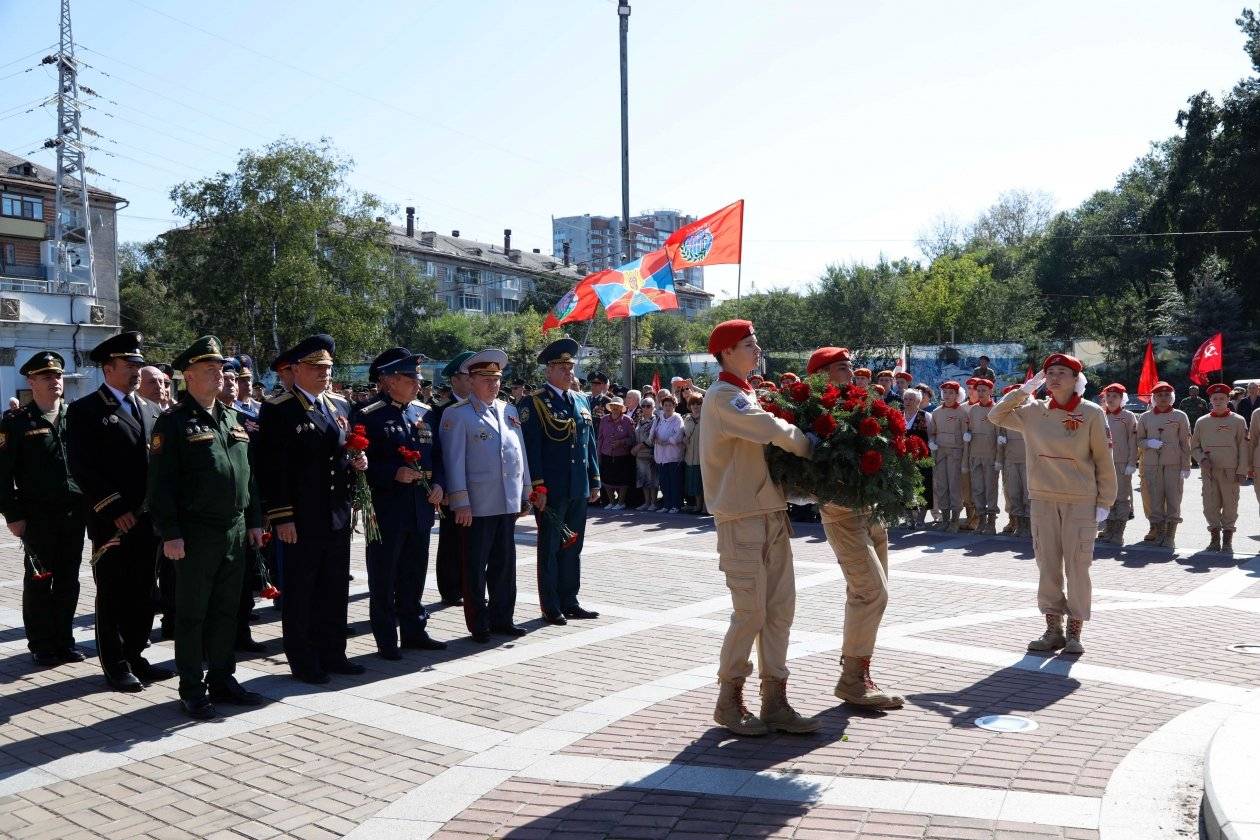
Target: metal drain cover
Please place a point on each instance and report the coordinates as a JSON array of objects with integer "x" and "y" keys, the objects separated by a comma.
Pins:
[
  {"x": 1006, "y": 723},
  {"x": 1251, "y": 649}
]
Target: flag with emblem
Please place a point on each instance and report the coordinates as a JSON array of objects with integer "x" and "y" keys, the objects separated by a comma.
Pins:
[
  {"x": 717, "y": 239},
  {"x": 578, "y": 304},
  {"x": 637, "y": 288},
  {"x": 1209, "y": 358}
]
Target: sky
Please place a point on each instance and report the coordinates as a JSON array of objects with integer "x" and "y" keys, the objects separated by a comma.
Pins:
[{"x": 848, "y": 127}]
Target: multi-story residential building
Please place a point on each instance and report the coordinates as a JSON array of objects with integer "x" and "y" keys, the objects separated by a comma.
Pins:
[{"x": 35, "y": 313}]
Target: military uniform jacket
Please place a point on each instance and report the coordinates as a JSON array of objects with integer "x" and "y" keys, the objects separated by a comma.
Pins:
[
  {"x": 1124, "y": 442},
  {"x": 948, "y": 425},
  {"x": 1223, "y": 440},
  {"x": 483, "y": 452},
  {"x": 560, "y": 440},
  {"x": 304, "y": 470},
  {"x": 108, "y": 451},
  {"x": 984, "y": 434},
  {"x": 391, "y": 425},
  {"x": 199, "y": 470},
  {"x": 34, "y": 474},
  {"x": 1173, "y": 428},
  {"x": 1013, "y": 451}
]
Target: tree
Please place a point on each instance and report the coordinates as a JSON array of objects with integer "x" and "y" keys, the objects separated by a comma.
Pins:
[
  {"x": 1016, "y": 218},
  {"x": 148, "y": 304}
]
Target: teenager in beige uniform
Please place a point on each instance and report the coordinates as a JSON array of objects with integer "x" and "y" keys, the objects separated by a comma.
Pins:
[
  {"x": 1013, "y": 460},
  {"x": 860, "y": 544},
  {"x": 753, "y": 533},
  {"x": 1219, "y": 444},
  {"x": 1253, "y": 451},
  {"x": 982, "y": 451},
  {"x": 1122, "y": 424},
  {"x": 945, "y": 439},
  {"x": 1072, "y": 484},
  {"x": 971, "y": 521},
  {"x": 1164, "y": 447}
]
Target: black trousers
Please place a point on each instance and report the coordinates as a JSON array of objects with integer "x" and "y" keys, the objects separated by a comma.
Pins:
[
  {"x": 452, "y": 548},
  {"x": 490, "y": 565},
  {"x": 316, "y": 599},
  {"x": 251, "y": 582},
  {"x": 124, "y": 597},
  {"x": 397, "y": 567},
  {"x": 48, "y": 605}
]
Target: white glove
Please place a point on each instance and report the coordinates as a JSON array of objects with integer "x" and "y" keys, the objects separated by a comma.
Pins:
[
  {"x": 966, "y": 437},
  {"x": 1001, "y": 440},
  {"x": 1185, "y": 474},
  {"x": 932, "y": 445},
  {"x": 1101, "y": 514},
  {"x": 1130, "y": 469},
  {"x": 1031, "y": 386},
  {"x": 1154, "y": 443}
]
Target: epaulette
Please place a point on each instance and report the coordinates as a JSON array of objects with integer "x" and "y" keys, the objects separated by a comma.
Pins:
[
  {"x": 464, "y": 401},
  {"x": 279, "y": 398},
  {"x": 334, "y": 395},
  {"x": 12, "y": 412},
  {"x": 422, "y": 405},
  {"x": 174, "y": 407},
  {"x": 370, "y": 407}
]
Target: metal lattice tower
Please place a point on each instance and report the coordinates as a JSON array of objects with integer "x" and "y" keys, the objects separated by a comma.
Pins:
[{"x": 72, "y": 225}]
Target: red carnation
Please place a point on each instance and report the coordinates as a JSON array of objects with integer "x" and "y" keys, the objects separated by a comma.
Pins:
[
  {"x": 897, "y": 422},
  {"x": 360, "y": 429},
  {"x": 851, "y": 404},
  {"x": 410, "y": 456},
  {"x": 830, "y": 396},
  {"x": 270, "y": 591},
  {"x": 266, "y": 538},
  {"x": 918, "y": 448},
  {"x": 788, "y": 415},
  {"x": 869, "y": 427},
  {"x": 800, "y": 391},
  {"x": 880, "y": 409},
  {"x": 899, "y": 445},
  {"x": 857, "y": 392},
  {"x": 825, "y": 425},
  {"x": 870, "y": 462}
]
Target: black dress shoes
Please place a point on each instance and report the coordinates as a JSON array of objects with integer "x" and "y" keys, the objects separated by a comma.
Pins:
[
  {"x": 312, "y": 677},
  {"x": 46, "y": 659},
  {"x": 345, "y": 666},
  {"x": 481, "y": 638},
  {"x": 509, "y": 630},
  {"x": 453, "y": 602},
  {"x": 555, "y": 618},
  {"x": 231, "y": 692},
  {"x": 578, "y": 612},
  {"x": 71, "y": 654},
  {"x": 248, "y": 645},
  {"x": 389, "y": 654},
  {"x": 424, "y": 642},
  {"x": 124, "y": 681},
  {"x": 199, "y": 708},
  {"x": 147, "y": 673}
]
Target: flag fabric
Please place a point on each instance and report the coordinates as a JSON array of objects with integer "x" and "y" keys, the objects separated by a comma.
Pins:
[
  {"x": 1029, "y": 375},
  {"x": 901, "y": 362},
  {"x": 1209, "y": 358},
  {"x": 717, "y": 239},
  {"x": 637, "y": 288},
  {"x": 1150, "y": 376},
  {"x": 578, "y": 304},
  {"x": 656, "y": 383}
]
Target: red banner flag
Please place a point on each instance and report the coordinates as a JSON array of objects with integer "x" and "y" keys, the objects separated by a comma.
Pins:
[
  {"x": 1209, "y": 358},
  {"x": 1029, "y": 375},
  {"x": 578, "y": 304},
  {"x": 656, "y": 383},
  {"x": 717, "y": 239},
  {"x": 1150, "y": 376}
]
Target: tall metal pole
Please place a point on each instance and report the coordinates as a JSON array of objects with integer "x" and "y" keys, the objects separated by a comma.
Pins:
[
  {"x": 72, "y": 220},
  {"x": 627, "y": 334}
]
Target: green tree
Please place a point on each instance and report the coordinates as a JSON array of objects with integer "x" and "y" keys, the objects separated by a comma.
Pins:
[{"x": 148, "y": 304}]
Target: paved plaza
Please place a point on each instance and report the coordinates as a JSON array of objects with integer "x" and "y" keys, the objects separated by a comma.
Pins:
[{"x": 603, "y": 728}]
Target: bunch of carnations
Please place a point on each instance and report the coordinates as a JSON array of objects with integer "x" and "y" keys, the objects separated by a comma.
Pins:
[
  {"x": 568, "y": 538},
  {"x": 863, "y": 458},
  {"x": 412, "y": 459},
  {"x": 269, "y": 589},
  {"x": 361, "y": 493}
]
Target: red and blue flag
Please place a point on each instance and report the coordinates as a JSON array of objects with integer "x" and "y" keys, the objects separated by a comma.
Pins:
[{"x": 637, "y": 288}]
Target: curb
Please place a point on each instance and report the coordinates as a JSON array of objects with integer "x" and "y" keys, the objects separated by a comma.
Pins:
[{"x": 1231, "y": 775}]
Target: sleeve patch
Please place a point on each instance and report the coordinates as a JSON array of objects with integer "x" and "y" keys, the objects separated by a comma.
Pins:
[
  {"x": 741, "y": 404},
  {"x": 155, "y": 443}
]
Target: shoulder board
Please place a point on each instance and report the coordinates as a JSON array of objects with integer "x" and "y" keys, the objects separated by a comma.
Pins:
[
  {"x": 419, "y": 404},
  {"x": 12, "y": 412},
  {"x": 279, "y": 398},
  {"x": 464, "y": 401},
  {"x": 335, "y": 396},
  {"x": 370, "y": 407},
  {"x": 539, "y": 392},
  {"x": 174, "y": 408}
]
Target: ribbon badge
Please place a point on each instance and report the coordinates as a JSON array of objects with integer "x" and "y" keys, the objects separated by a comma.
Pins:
[{"x": 1073, "y": 422}]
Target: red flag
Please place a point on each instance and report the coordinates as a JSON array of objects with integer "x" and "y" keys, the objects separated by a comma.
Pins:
[
  {"x": 1150, "y": 376},
  {"x": 578, "y": 304},
  {"x": 717, "y": 239},
  {"x": 656, "y": 383},
  {"x": 1028, "y": 376},
  {"x": 1207, "y": 359}
]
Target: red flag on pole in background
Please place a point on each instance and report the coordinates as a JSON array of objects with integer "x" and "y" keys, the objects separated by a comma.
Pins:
[
  {"x": 1150, "y": 376},
  {"x": 1029, "y": 375},
  {"x": 717, "y": 239},
  {"x": 1209, "y": 358},
  {"x": 578, "y": 304},
  {"x": 656, "y": 383}
]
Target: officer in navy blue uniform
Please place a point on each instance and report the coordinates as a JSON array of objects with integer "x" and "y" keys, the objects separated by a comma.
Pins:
[
  {"x": 563, "y": 458},
  {"x": 452, "y": 541},
  {"x": 305, "y": 480},
  {"x": 403, "y": 494}
]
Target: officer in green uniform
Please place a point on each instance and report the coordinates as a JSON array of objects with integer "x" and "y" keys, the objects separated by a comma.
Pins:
[
  {"x": 44, "y": 509},
  {"x": 204, "y": 506}
]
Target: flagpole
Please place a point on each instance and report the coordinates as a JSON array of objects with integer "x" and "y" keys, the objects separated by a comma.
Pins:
[{"x": 627, "y": 334}]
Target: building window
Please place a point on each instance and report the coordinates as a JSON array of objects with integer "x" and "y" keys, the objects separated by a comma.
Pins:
[
  {"x": 8, "y": 254},
  {"x": 22, "y": 206},
  {"x": 470, "y": 302},
  {"x": 429, "y": 269},
  {"x": 509, "y": 305},
  {"x": 468, "y": 277}
]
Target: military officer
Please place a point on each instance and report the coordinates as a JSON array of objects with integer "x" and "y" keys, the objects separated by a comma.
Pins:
[
  {"x": 1122, "y": 425},
  {"x": 488, "y": 475},
  {"x": 245, "y": 386},
  {"x": 204, "y": 504},
  {"x": 452, "y": 541},
  {"x": 1164, "y": 444},
  {"x": 560, "y": 440},
  {"x": 246, "y": 409},
  {"x": 1219, "y": 444},
  {"x": 108, "y": 450},
  {"x": 404, "y": 493},
  {"x": 1013, "y": 458},
  {"x": 44, "y": 509},
  {"x": 1193, "y": 405},
  {"x": 982, "y": 451},
  {"x": 305, "y": 479},
  {"x": 949, "y": 424}
]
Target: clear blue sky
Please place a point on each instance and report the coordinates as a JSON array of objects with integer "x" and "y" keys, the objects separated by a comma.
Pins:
[{"x": 847, "y": 126}]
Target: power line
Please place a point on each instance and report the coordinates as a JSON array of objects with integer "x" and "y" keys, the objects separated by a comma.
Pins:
[{"x": 40, "y": 51}]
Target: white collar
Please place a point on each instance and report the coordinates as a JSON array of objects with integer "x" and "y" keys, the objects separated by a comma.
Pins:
[
  {"x": 308, "y": 394},
  {"x": 118, "y": 395},
  {"x": 564, "y": 394}
]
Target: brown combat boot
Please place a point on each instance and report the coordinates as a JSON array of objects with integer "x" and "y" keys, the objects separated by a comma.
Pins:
[
  {"x": 1073, "y": 646},
  {"x": 1155, "y": 534},
  {"x": 777, "y": 714},
  {"x": 1052, "y": 639},
  {"x": 1227, "y": 541},
  {"x": 733, "y": 714},
  {"x": 1116, "y": 535},
  {"x": 951, "y": 522},
  {"x": 1012, "y": 525},
  {"x": 1169, "y": 539},
  {"x": 857, "y": 687},
  {"x": 1214, "y": 544},
  {"x": 1025, "y": 527},
  {"x": 970, "y": 523}
]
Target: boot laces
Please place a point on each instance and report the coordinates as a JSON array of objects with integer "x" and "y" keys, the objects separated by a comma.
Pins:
[{"x": 867, "y": 679}]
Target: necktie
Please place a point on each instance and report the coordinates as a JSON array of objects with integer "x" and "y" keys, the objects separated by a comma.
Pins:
[{"x": 135, "y": 408}]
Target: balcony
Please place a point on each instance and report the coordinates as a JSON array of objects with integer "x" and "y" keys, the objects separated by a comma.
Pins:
[{"x": 28, "y": 277}]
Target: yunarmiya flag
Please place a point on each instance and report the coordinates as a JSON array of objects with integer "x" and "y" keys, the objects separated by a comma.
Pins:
[
  {"x": 1209, "y": 358},
  {"x": 578, "y": 304},
  {"x": 637, "y": 288},
  {"x": 717, "y": 239}
]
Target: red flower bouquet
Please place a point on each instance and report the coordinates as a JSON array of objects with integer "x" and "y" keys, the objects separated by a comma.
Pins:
[
  {"x": 864, "y": 459},
  {"x": 413, "y": 459},
  {"x": 361, "y": 494},
  {"x": 568, "y": 538}
]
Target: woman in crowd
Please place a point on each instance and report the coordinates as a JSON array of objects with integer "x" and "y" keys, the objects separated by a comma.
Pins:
[
  {"x": 616, "y": 464},
  {"x": 645, "y": 469},
  {"x": 917, "y": 425},
  {"x": 669, "y": 442}
]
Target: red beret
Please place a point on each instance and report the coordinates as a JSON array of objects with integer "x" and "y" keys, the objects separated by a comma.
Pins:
[
  {"x": 972, "y": 380},
  {"x": 769, "y": 386},
  {"x": 1115, "y": 388},
  {"x": 903, "y": 374},
  {"x": 727, "y": 334},
  {"x": 950, "y": 384},
  {"x": 824, "y": 356},
  {"x": 1009, "y": 388},
  {"x": 789, "y": 376},
  {"x": 1218, "y": 388},
  {"x": 883, "y": 373},
  {"x": 980, "y": 380},
  {"x": 862, "y": 372},
  {"x": 1162, "y": 388},
  {"x": 1065, "y": 360},
  {"x": 879, "y": 389}
]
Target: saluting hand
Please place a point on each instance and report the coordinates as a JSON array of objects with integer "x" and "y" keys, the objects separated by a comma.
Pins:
[{"x": 173, "y": 549}]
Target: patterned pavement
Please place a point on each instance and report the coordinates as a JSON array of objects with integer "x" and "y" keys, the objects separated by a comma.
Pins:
[{"x": 602, "y": 729}]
